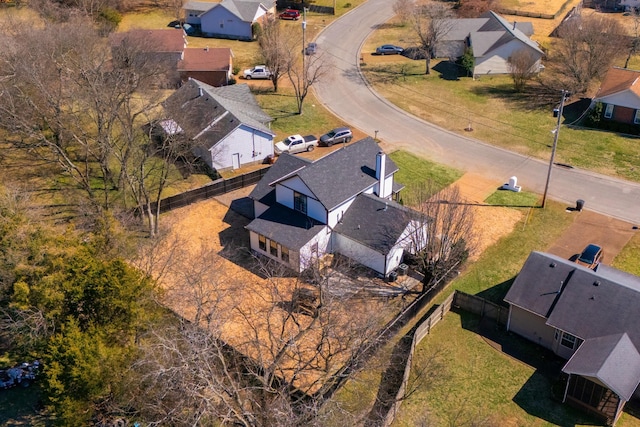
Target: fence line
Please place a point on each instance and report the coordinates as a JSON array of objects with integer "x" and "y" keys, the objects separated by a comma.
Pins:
[
  {"x": 421, "y": 331},
  {"x": 464, "y": 301},
  {"x": 216, "y": 188}
]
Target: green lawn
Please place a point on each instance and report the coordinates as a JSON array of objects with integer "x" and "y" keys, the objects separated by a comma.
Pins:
[
  {"x": 497, "y": 114},
  {"x": 476, "y": 383}
]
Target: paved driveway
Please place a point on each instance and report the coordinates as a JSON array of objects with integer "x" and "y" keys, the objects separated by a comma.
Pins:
[{"x": 590, "y": 227}]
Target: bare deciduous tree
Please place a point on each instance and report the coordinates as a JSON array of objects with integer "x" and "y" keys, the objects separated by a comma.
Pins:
[
  {"x": 277, "y": 47},
  {"x": 67, "y": 101},
  {"x": 303, "y": 76},
  {"x": 403, "y": 9},
  {"x": 634, "y": 44},
  {"x": 587, "y": 47},
  {"x": 474, "y": 8},
  {"x": 251, "y": 353},
  {"x": 449, "y": 235},
  {"x": 431, "y": 22},
  {"x": 523, "y": 65}
]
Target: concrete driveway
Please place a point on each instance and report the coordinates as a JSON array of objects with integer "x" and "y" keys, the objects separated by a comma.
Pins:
[{"x": 589, "y": 227}]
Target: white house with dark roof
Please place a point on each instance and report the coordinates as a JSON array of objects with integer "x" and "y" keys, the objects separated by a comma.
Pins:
[
  {"x": 341, "y": 203},
  {"x": 493, "y": 40},
  {"x": 231, "y": 19},
  {"x": 590, "y": 318},
  {"x": 226, "y": 126}
]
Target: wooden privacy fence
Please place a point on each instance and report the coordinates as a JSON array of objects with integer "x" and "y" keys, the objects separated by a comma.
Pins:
[
  {"x": 216, "y": 188},
  {"x": 467, "y": 302}
]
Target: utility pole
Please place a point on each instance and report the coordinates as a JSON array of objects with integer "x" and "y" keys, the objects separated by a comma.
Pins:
[
  {"x": 556, "y": 132},
  {"x": 304, "y": 30}
]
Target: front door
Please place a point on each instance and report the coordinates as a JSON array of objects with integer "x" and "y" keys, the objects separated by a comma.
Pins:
[{"x": 235, "y": 160}]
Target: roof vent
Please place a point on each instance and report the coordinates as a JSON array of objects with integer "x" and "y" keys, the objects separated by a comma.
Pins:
[
  {"x": 596, "y": 283},
  {"x": 552, "y": 265}
]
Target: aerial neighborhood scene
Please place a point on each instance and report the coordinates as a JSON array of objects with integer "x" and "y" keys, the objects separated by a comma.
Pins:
[{"x": 320, "y": 213}]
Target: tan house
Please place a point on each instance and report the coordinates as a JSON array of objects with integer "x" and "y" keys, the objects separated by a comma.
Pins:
[
  {"x": 619, "y": 94},
  {"x": 589, "y": 317},
  {"x": 212, "y": 66}
]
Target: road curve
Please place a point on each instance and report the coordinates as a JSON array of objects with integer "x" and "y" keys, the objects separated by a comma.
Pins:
[{"x": 345, "y": 92}]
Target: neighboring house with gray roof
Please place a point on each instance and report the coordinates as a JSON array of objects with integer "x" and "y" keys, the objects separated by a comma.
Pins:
[
  {"x": 231, "y": 19},
  {"x": 225, "y": 125},
  {"x": 340, "y": 203},
  {"x": 493, "y": 40},
  {"x": 589, "y": 317}
]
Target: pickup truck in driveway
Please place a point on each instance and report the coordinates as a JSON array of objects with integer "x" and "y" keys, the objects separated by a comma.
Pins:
[
  {"x": 257, "y": 72},
  {"x": 296, "y": 144}
]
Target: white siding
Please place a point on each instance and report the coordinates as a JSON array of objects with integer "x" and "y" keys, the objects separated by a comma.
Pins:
[
  {"x": 337, "y": 213},
  {"x": 323, "y": 240},
  {"x": 358, "y": 252},
  {"x": 388, "y": 185},
  {"x": 253, "y": 146},
  {"x": 284, "y": 196},
  {"x": 394, "y": 258},
  {"x": 624, "y": 99},
  {"x": 495, "y": 61},
  {"x": 220, "y": 22}
]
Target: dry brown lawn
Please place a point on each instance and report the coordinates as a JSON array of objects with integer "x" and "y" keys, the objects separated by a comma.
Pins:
[{"x": 196, "y": 271}]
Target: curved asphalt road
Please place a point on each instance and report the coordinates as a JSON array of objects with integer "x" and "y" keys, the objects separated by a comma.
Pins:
[{"x": 344, "y": 91}]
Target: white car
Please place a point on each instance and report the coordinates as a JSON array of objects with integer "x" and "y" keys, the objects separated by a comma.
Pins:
[{"x": 257, "y": 72}]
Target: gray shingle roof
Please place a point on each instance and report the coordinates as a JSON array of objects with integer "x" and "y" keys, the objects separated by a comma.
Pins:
[
  {"x": 245, "y": 9},
  {"x": 374, "y": 222},
  {"x": 286, "y": 226},
  {"x": 344, "y": 173},
  {"x": 285, "y": 165},
  {"x": 201, "y": 6},
  {"x": 590, "y": 304},
  {"x": 208, "y": 114},
  {"x": 613, "y": 360},
  {"x": 539, "y": 282},
  {"x": 489, "y": 32}
]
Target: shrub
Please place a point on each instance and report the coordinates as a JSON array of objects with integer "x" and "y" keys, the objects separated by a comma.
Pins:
[{"x": 110, "y": 16}]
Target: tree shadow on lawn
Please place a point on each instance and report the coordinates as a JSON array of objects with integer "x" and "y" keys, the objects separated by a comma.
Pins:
[
  {"x": 536, "y": 396},
  {"x": 450, "y": 70}
]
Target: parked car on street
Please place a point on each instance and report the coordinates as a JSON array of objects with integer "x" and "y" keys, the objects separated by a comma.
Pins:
[
  {"x": 257, "y": 72},
  {"x": 290, "y": 14},
  {"x": 296, "y": 144},
  {"x": 311, "y": 49},
  {"x": 389, "y": 49},
  {"x": 591, "y": 256},
  {"x": 335, "y": 136}
]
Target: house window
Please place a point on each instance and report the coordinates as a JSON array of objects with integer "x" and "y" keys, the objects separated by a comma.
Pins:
[
  {"x": 262, "y": 242},
  {"x": 273, "y": 248},
  {"x": 284, "y": 254},
  {"x": 636, "y": 118},
  {"x": 300, "y": 202},
  {"x": 608, "y": 112},
  {"x": 568, "y": 340},
  {"x": 314, "y": 248}
]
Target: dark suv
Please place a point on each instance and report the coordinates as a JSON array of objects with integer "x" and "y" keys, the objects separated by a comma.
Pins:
[{"x": 336, "y": 136}]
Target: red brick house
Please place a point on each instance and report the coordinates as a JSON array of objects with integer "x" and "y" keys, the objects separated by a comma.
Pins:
[
  {"x": 212, "y": 66},
  {"x": 619, "y": 94}
]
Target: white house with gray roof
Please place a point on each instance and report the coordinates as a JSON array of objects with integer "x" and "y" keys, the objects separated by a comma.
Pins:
[
  {"x": 342, "y": 203},
  {"x": 493, "y": 40},
  {"x": 230, "y": 19},
  {"x": 590, "y": 318},
  {"x": 226, "y": 126}
]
